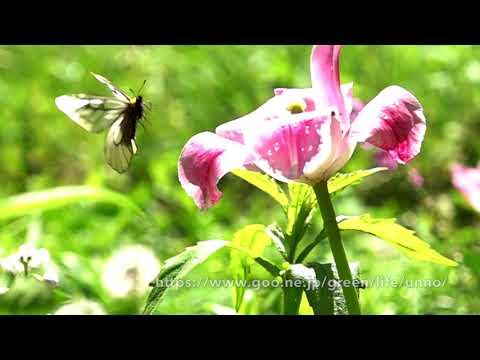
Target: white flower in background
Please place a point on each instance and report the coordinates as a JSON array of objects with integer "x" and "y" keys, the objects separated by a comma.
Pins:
[
  {"x": 51, "y": 276},
  {"x": 130, "y": 270},
  {"x": 81, "y": 307},
  {"x": 28, "y": 259}
]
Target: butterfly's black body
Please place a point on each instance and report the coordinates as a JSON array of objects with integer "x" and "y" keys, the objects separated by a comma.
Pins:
[
  {"x": 121, "y": 114},
  {"x": 133, "y": 114}
]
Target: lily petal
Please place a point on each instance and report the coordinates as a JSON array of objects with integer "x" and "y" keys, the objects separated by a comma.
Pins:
[
  {"x": 284, "y": 147},
  {"x": 467, "y": 181},
  {"x": 347, "y": 93},
  {"x": 334, "y": 157},
  {"x": 277, "y": 108},
  {"x": 205, "y": 159},
  {"x": 393, "y": 121},
  {"x": 325, "y": 73}
]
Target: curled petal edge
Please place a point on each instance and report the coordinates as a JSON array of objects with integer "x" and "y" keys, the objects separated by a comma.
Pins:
[
  {"x": 394, "y": 122},
  {"x": 205, "y": 159}
]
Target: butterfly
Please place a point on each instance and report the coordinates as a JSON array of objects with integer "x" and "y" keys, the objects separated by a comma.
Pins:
[{"x": 120, "y": 113}]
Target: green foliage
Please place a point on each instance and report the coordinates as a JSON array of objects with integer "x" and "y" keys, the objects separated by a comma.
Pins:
[
  {"x": 300, "y": 204},
  {"x": 177, "y": 268},
  {"x": 322, "y": 287},
  {"x": 254, "y": 239},
  {"x": 341, "y": 181},
  {"x": 278, "y": 239},
  {"x": 299, "y": 215},
  {"x": 403, "y": 239},
  {"x": 264, "y": 183},
  {"x": 28, "y": 203}
]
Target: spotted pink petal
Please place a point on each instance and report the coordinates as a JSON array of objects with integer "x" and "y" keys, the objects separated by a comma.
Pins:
[
  {"x": 393, "y": 121},
  {"x": 273, "y": 110},
  {"x": 342, "y": 148},
  {"x": 283, "y": 148},
  {"x": 325, "y": 73},
  {"x": 467, "y": 181},
  {"x": 205, "y": 159}
]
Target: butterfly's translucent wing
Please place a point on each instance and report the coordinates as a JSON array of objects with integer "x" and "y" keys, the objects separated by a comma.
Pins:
[
  {"x": 118, "y": 153},
  {"x": 119, "y": 94},
  {"x": 93, "y": 113}
]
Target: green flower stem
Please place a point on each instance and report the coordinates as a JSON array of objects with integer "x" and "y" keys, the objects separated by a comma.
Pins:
[{"x": 341, "y": 262}]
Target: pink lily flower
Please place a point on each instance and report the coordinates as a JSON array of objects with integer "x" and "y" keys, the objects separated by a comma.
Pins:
[
  {"x": 303, "y": 135},
  {"x": 467, "y": 181}
]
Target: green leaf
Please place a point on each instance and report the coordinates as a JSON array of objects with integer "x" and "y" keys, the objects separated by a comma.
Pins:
[
  {"x": 322, "y": 287},
  {"x": 278, "y": 239},
  {"x": 33, "y": 202},
  {"x": 177, "y": 268},
  {"x": 305, "y": 308},
  {"x": 294, "y": 282},
  {"x": 303, "y": 203},
  {"x": 247, "y": 245},
  {"x": 252, "y": 237},
  {"x": 400, "y": 237},
  {"x": 300, "y": 194},
  {"x": 307, "y": 278},
  {"x": 342, "y": 181},
  {"x": 264, "y": 183},
  {"x": 299, "y": 214},
  {"x": 319, "y": 293}
]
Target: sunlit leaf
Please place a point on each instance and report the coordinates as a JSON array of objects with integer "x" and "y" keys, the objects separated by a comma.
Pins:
[
  {"x": 300, "y": 193},
  {"x": 305, "y": 308},
  {"x": 33, "y": 202},
  {"x": 342, "y": 181},
  {"x": 299, "y": 213},
  {"x": 278, "y": 239},
  {"x": 251, "y": 241},
  {"x": 264, "y": 183},
  {"x": 400, "y": 237},
  {"x": 303, "y": 202},
  {"x": 177, "y": 268}
]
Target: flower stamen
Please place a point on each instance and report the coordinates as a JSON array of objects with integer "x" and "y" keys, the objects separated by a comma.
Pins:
[{"x": 297, "y": 107}]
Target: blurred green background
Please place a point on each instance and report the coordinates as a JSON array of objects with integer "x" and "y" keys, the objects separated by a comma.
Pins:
[{"x": 194, "y": 89}]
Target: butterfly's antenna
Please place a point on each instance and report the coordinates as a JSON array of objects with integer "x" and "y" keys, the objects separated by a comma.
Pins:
[
  {"x": 133, "y": 92},
  {"x": 141, "y": 87}
]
